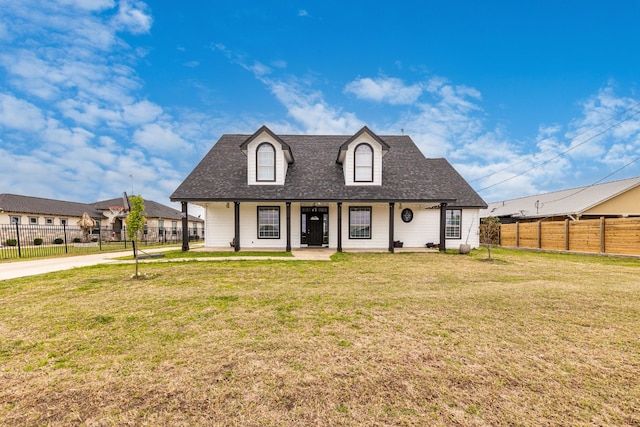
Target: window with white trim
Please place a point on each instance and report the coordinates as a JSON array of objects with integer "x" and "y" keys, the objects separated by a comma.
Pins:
[
  {"x": 48, "y": 221},
  {"x": 363, "y": 163},
  {"x": 265, "y": 162},
  {"x": 15, "y": 220},
  {"x": 359, "y": 222},
  {"x": 453, "y": 224},
  {"x": 268, "y": 222},
  {"x": 33, "y": 220}
]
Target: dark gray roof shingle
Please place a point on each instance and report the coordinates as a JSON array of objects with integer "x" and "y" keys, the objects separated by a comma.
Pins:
[
  {"x": 407, "y": 176},
  {"x": 42, "y": 206},
  {"x": 151, "y": 208}
]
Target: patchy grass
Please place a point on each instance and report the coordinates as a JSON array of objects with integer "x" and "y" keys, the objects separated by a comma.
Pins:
[
  {"x": 179, "y": 254},
  {"x": 369, "y": 339}
]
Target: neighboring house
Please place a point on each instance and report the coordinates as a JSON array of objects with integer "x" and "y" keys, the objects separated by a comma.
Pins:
[
  {"x": 616, "y": 199},
  {"x": 108, "y": 213},
  {"x": 360, "y": 191}
]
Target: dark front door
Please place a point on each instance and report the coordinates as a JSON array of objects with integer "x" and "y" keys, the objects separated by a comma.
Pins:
[{"x": 314, "y": 229}]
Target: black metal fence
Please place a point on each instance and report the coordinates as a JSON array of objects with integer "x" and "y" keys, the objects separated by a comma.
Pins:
[{"x": 29, "y": 241}]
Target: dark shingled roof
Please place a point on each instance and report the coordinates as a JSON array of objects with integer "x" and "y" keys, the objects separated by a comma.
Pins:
[
  {"x": 151, "y": 208},
  {"x": 407, "y": 176},
  {"x": 42, "y": 206}
]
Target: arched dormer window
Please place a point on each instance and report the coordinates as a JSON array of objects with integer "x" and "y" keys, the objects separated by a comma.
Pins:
[
  {"x": 363, "y": 163},
  {"x": 266, "y": 162}
]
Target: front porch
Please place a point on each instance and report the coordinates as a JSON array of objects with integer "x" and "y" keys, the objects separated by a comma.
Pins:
[{"x": 341, "y": 226}]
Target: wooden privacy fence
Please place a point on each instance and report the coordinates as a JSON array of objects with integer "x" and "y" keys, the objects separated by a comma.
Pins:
[{"x": 614, "y": 236}]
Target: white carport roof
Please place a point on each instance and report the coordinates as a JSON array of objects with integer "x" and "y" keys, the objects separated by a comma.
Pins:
[{"x": 573, "y": 201}]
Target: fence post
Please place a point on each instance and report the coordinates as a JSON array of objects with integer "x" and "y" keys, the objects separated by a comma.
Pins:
[
  {"x": 18, "y": 239},
  {"x": 539, "y": 229},
  {"x": 602, "y": 234},
  {"x": 517, "y": 234},
  {"x": 566, "y": 234},
  {"x": 64, "y": 230}
]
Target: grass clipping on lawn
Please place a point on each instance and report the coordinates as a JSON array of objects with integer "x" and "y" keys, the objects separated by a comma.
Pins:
[{"x": 369, "y": 339}]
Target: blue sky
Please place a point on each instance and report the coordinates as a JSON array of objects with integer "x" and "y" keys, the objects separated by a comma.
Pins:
[{"x": 103, "y": 96}]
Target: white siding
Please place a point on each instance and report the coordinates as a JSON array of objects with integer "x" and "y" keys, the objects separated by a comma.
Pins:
[
  {"x": 469, "y": 227},
  {"x": 295, "y": 225},
  {"x": 348, "y": 163},
  {"x": 423, "y": 229},
  {"x": 379, "y": 227},
  {"x": 281, "y": 162},
  {"x": 219, "y": 223},
  {"x": 249, "y": 227}
]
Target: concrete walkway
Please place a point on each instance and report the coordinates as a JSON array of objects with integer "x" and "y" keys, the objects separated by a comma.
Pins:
[{"x": 16, "y": 269}]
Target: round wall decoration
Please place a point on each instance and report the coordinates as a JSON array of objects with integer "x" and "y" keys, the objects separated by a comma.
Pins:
[{"x": 407, "y": 215}]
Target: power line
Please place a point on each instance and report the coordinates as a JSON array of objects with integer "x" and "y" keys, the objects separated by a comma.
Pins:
[
  {"x": 595, "y": 183},
  {"x": 551, "y": 148},
  {"x": 561, "y": 153}
]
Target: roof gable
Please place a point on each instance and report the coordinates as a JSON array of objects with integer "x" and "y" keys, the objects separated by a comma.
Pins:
[
  {"x": 344, "y": 147},
  {"x": 264, "y": 129}
]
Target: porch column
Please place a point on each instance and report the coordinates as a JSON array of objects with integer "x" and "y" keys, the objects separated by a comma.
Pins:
[
  {"x": 391, "y": 219},
  {"x": 288, "y": 227},
  {"x": 236, "y": 238},
  {"x": 443, "y": 225},
  {"x": 185, "y": 227},
  {"x": 339, "y": 226}
]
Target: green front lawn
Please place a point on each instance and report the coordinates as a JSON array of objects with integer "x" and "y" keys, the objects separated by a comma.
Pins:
[{"x": 369, "y": 340}]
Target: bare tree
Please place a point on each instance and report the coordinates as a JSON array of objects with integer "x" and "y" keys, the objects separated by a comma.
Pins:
[{"x": 490, "y": 232}]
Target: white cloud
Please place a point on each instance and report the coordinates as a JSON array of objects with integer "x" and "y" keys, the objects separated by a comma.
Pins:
[
  {"x": 91, "y": 5},
  {"x": 160, "y": 138},
  {"x": 75, "y": 99},
  {"x": 308, "y": 108},
  {"x": 89, "y": 113},
  {"x": 132, "y": 17},
  {"x": 384, "y": 89},
  {"x": 141, "y": 112},
  {"x": 4, "y": 32},
  {"x": 19, "y": 114}
]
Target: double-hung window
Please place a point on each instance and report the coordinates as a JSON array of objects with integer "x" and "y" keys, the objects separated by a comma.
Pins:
[
  {"x": 453, "y": 224},
  {"x": 363, "y": 163},
  {"x": 265, "y": 162},
  {"x": 268, "y": 222},
  {"x": 359, "y": 222}
]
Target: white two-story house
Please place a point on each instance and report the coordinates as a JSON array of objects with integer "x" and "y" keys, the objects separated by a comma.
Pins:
[{"x": 361, "y": 191}]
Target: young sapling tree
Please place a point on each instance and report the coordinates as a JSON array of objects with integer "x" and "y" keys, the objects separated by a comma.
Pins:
[{"x": 135, "y": 224}]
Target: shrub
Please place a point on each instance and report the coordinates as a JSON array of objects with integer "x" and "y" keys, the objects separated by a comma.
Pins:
[
  {"x": 37, "y": 241},
  {"x": 77, "y": 240},
  {"x": 11, "y": 242},
  {"x": 58, "y": 241}
]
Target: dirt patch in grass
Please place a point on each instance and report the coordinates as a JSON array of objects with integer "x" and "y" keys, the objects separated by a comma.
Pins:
[{"x": 370, "y": 339}]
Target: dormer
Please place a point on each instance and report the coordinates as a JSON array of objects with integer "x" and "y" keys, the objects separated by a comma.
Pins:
[
  {"x": 361, "y": 158},
  {"x": 268, "y": 158}
]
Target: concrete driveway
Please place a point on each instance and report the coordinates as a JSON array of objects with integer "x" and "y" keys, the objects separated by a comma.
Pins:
[{"x": 16, "y": 269}]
